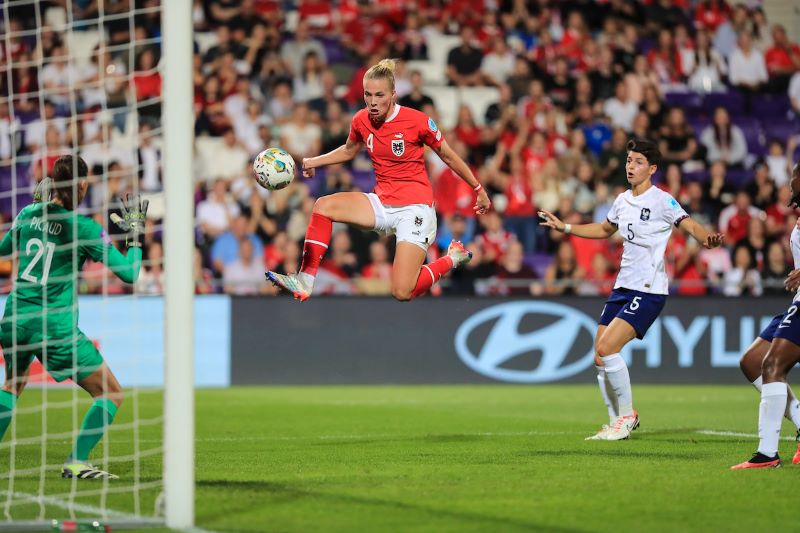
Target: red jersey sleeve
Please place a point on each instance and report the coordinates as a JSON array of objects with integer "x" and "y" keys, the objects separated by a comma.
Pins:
[
  {"x": 355, "y": 134},
  {"x": 430, "y": 133}
]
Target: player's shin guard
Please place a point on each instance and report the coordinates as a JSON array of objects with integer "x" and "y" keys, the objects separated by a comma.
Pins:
[
  {"x": 607, "y": 391},
  {"x": 770, "y": 415},
  {"x": 318, "y": 236},
  {"x": 618, "y": 376},
  {"x": 100, "y": 416},
  {"x": 7, "y": 403},
  {"x": 430, "y": 274}
]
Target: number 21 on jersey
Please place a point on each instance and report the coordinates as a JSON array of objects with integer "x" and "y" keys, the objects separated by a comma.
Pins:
[{"x": 27, "y": 274}]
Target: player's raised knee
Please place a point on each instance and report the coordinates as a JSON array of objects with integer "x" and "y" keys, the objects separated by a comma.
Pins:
[
  {"x": 324, "y": 206},
  {"x": 402, "y": 294}
]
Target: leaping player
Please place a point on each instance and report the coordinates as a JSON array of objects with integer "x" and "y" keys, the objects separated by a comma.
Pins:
[
  {"x": 402, "y": 204},
  {"x": 644, "y": 215}
]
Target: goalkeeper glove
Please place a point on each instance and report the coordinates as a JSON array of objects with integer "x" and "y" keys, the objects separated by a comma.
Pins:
[
  {"x": 132, "y": 219},
  {"x": 43, "y": 190}
]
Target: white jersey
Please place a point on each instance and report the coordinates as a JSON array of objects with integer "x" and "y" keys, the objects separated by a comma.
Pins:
[
  {"x": 794, "y": 244},
  {"x": 645, "y": 223}
]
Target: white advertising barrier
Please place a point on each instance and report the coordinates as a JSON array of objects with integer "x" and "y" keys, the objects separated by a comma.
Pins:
[{"x": 129, "y": 332}]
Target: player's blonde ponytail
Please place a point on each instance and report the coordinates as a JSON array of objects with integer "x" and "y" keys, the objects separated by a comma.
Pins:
[{"x": 384, "y": 69}]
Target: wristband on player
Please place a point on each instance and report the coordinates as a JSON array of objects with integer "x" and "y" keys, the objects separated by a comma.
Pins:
[
  {"x": 567, "y": 228},
  {"x": 478, "y": 188}
]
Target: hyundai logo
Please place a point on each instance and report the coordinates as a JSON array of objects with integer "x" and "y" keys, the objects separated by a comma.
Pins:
[{"x": 504, "y": 342}]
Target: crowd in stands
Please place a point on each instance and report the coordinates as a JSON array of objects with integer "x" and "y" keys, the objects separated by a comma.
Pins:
[{"x": 538, "y": 96}]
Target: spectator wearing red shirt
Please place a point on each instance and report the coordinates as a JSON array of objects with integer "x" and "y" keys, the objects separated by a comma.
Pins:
[
  {"x": 146, "y": 78},
  {"x": 665, "y": 59},
  {"x": 684, "y": 266},
  {"x": 495, "y": 239},
  {"x": 710, "y": 14},
  {"x": 735, "y": 219},
  {"x": 782, "y": 59},
  {"x": 519, "y": 215}
]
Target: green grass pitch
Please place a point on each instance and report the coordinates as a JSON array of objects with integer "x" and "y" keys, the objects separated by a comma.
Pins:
[{"x": 448, "y": 458}]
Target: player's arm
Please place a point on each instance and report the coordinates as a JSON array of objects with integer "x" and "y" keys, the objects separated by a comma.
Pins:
[
  {"x": 125, "y": 267},
  {"x": 460, "y": 167},
  {"x": 696, "y": 230},
  {"x": 602, "y": 230},
  {"x": 344, "y": 153}
]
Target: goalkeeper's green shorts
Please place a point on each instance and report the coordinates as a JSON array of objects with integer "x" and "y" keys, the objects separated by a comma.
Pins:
[{"x": 73, "y": 356}]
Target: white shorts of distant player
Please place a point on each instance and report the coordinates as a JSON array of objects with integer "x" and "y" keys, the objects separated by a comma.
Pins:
[{"x": 415, "y": 223}]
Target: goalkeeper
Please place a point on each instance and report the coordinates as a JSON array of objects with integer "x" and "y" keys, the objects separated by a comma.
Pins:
[{"x": 52, "y": 241}]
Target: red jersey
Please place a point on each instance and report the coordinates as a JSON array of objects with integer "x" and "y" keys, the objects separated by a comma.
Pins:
[{"x": 396, "y": 147}]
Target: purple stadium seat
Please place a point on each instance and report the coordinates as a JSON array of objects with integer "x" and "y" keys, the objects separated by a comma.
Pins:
[
  {"x": 771, "y": 106},
  {"x": 538, "y": 262},
  {"x": 364, "y": 179},
  {"x": 732, "y": 101},
  {"x": 691, "y": 102},
  {"x": 780, "y": 129},
  {"x": 753, "y": 137},
  {"x": 738, "y": 178},
  {"x": 696, "y": 175},
  {"x": 698, "y": 124}
]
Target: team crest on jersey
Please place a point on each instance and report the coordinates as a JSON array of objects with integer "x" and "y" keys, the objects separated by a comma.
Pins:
[
  {"x": 645, "y": 214},
  {"x": 398, "y": 147},
  {"x": 418, "y": 221}
]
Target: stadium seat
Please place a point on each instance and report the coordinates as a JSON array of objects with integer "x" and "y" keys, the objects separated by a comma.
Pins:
[
  {"x": 446, "y": 101},
  {"x": 780, "y": 129},
  {"x": 690, "y": 102},
  {"x": 364, "y": 179},
  {"x": 432, "y": 74},
  {"x": 439, "y": 47},
  {"x": 733, "y": 101},
  {"x": 695, "y": 175},
  {"x": 752, "y": 135},
  {"x": 538, "y": 262},
  {"x": 81, "y": 44},
  {"x": 771, "y": 106},
  {"x": 479, "y": 99},
  {"x": 738, "y": 178}
]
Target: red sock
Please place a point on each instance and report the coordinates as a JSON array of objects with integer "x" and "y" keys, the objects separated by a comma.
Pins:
[
  {"x": 431, "y": 273},
  {"x": 318, "y": 235}
]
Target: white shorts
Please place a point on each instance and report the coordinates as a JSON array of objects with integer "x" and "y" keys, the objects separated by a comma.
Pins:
[{"x": 415, "y": 223}]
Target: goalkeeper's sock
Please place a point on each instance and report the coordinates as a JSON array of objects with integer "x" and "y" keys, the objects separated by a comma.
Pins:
[
  {"x": 7, "y": 403},
  {"x": 318, "y": 236},
  {"x": 430, "y": 274},
  {"x": 100, "y": 416}
]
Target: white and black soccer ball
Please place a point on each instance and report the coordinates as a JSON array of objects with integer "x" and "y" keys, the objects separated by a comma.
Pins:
[{"x": 274, "y": 168}]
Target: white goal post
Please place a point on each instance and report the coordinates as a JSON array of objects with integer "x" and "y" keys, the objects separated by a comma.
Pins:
[{"x": 178, "y": 121}]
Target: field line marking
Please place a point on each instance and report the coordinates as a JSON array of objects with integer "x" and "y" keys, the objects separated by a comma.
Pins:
[{"x": 733, "y": 434}]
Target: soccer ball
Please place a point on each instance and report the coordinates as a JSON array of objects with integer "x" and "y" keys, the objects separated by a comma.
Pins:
[{"x": 274, "y": 168}]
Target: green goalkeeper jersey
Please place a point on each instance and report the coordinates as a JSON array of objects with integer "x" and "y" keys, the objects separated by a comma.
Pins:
[{"x": 52, "y": 243}]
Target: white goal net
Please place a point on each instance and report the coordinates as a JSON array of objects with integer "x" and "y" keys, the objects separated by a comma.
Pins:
[{"x": 84, "y": 78}]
